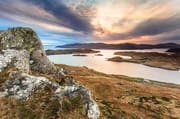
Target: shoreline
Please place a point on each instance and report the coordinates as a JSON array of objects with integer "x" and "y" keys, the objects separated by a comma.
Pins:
[
  {"x": 130, "y": 78},
  {"x": 151, "y": 59},
  {"x": 170, "y": 69}
]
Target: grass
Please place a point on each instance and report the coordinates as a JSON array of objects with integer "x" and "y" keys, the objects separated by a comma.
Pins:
[
  {"x": 4, "y": 75},
  {"x": 117, "y": 96},
  {"x": 126, "y": 97},
  {"x": 42, "y": 105}
]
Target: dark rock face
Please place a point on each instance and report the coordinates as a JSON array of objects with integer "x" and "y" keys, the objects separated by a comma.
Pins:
[
  {"x": 174, "y": 50},
  {"x": 26, "y": 39}
]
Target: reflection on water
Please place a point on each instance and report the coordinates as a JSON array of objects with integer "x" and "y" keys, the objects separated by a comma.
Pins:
[{"x": 100, "y": 63}]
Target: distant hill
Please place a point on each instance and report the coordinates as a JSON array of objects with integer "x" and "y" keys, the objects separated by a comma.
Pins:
[{"x": 124, "y": 46}]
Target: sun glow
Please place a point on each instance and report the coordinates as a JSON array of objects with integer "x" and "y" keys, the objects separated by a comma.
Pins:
[{"x": 122, "y": 17}]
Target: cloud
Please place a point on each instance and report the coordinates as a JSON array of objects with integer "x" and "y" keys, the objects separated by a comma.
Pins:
[
  {"x": 174, "y": 38},
  {"x": 48, "y": 11},
  {"x": 171, "y": 36},
  {"x": 95, "y": 20},
  {"x": 150, "y": 27},
  {"x": 67, "y": 17},
  {"x": 156, "y": 26}
]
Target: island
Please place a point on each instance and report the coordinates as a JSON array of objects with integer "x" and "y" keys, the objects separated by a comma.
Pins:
[
  {"x": 70, "y": 51},
  {"x": 81, "y": 55},
  {"x": 98, "y": 54},
  {"x": 153, "y": 59}
]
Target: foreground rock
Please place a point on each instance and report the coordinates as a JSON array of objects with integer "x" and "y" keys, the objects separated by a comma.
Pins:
[
  {"x": 23, "y": 85},
  {"x": 26, "y": 39},
  {"x": 26, "y": 73}
]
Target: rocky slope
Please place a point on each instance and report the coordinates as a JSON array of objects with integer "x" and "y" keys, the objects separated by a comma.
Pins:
[
  {"x": 122, "y": 97},
  {"x": 30, "y": 82}
]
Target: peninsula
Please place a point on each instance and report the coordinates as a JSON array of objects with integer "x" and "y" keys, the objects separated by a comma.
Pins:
[{"x": 153, "y": 59}]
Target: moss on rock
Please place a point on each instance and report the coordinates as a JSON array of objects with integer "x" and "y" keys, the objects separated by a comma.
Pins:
[{"x": 26, "y": 39}]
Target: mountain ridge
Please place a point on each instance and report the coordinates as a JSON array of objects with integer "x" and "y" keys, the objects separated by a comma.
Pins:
[{"x": 122, "y": 46}]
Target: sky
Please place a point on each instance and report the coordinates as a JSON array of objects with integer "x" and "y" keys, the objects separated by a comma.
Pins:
[{"x": 59, "y": 22}]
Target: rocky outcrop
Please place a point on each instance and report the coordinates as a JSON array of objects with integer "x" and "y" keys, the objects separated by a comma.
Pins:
[
  {"x": 22, "y": 86},
  {"x": 21, "y": 50},
  {"x": 26, "y": 39}
]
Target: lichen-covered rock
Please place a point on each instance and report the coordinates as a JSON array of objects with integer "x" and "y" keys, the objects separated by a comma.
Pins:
[
  {"x": 16, "y": 58},
  {"x": 26, "y": 39},
  {"x": 22, "y": 85},
  {"x": 20, "y": 51},
  {"x": 19, "y": 38}
]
